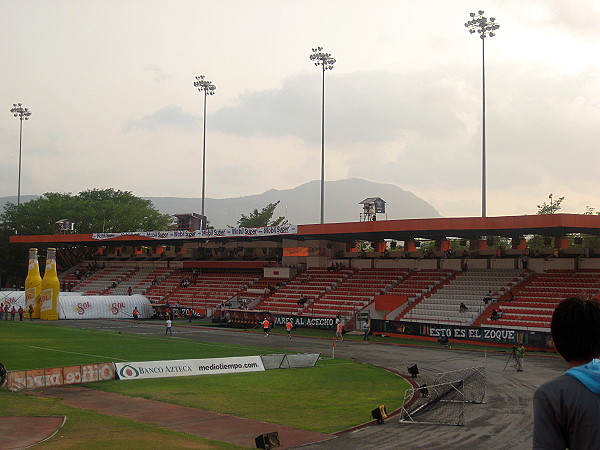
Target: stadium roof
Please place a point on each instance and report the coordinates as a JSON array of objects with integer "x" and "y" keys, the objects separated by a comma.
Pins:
[{"x": 402, "y": 230}]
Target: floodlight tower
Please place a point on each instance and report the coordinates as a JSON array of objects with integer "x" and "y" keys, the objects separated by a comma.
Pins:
[
  {"x": 326, "y": 61},
  {"x": 485, "y": 28},
  {"x": 209, "y": 89},
  {"x": 22, "y": 113}
]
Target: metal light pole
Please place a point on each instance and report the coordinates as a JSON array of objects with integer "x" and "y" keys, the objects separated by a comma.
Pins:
[
  {"x": 23, "y": 114},
  {"x": 209, "y": 89},
  {"x": 485, "y": 28},
  {"x": 326, "y": 61}
]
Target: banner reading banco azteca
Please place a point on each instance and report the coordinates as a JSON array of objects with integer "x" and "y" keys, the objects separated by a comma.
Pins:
[{"x": 188, "y": 367}]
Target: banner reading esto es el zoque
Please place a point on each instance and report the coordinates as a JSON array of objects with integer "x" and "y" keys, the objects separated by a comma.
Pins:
[{"x": 188, "y": 367}]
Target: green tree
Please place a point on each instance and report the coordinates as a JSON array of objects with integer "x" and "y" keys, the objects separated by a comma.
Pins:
[
  {"x": 550, "y": 208},
  {"x": 91, "y": 211},
  {"x": 262, "y": 218}
]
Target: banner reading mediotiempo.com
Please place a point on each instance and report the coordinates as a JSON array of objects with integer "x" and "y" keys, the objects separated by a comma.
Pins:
[{"x": 188, "y": 367}]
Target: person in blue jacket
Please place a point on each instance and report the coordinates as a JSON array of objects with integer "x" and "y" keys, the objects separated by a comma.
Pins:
[{"x": 566, "y": 410}]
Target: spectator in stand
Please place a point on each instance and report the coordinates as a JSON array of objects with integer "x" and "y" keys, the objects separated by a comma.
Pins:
[
  {"x": 462, "y": 308},
  {"x": 20, "y": 311},
  {"x": 129, "y": 291},
  {"x": 465, "y": 266},
  {"x": 566, "y": 409},
  {"x": 511, "y": 296},
  {"x": 154, "y": 281},
  {"x": 500, "y": 313},
  {"x": 70, "y": 287},
  {"x": 494, "y": 315},
  {"x": 488, "y": 297},
  {"x": 524, "y": 261}
]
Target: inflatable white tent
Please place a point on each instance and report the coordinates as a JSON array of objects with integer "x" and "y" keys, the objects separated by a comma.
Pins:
[
  {"x": 103, "y": 307},
  {"x": 73, "y": 305}
]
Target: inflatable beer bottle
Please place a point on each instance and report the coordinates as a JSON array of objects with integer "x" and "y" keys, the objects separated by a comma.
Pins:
[
  {"x": 50, "y": 288},
  {"x": 33, "y": 285}
]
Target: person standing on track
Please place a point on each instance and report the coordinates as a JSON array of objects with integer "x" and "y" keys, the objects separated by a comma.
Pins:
[
  {"x": 288, "y": 327},
  {"x": 266, "y": 326},
  {"x": 366, "y": 330},
  {"x": 519, "y": 355},
  {"x": 339, "y": 329},
  {"x": 168, "y": 330},
  {"x": 136, "y": 315}
]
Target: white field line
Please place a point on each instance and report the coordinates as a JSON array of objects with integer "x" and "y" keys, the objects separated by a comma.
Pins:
[{"x": 75, "y": 353}]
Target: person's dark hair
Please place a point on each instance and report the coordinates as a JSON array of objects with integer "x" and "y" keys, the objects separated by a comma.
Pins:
[{"x": 576, "y": 329}]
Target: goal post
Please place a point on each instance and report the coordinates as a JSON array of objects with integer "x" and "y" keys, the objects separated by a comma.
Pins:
[
  {"x": 475, "y": 382},
  {"x": 442, "y": 404}
]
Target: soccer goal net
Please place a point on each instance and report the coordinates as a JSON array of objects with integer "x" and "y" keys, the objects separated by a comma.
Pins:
[
  {"x": 474, "y": 379},
  {"x": 442, "y": 404}
]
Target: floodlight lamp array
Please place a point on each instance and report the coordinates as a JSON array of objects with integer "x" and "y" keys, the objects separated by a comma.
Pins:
[
  {"x": 21, "y": 112},
  {"x": 321, "y": 58},
  {"x": 482, "y": 25},
  {"x": 204, "y": 85}
]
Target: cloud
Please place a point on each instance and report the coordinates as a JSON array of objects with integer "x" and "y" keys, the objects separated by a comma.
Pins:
[
  {"x": 171, "y": 116},
  {"x": 156, "y": 72},
  {"x": 368, "y": 107},
  {"x": 580, "y": 17}
]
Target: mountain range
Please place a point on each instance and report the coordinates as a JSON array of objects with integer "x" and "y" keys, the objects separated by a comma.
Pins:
[{"x": 300, "y": 205}]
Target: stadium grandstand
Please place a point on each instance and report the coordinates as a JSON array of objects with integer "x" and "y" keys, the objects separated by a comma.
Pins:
[{"x": 500, "y": 295}]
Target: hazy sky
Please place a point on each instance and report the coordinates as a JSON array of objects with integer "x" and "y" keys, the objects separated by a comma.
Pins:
[{"x": 110, "y": 85}]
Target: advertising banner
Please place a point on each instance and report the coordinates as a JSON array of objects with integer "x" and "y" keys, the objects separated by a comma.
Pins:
[
  {"x": 327, "y": 323},
  {"x": 57, "y": 376},
  {"x": 484, "y": 334},
  {"x": 188, "y": 367},
  {"x": 13, "y": 298},
  {"x": 204, "y": 234}
]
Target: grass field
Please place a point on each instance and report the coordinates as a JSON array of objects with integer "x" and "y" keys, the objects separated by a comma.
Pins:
[{"x": 333, "y": 396}]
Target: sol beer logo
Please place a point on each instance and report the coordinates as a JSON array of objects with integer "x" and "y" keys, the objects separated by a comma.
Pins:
[
  {"x": 115, "y": 308},
  {"x": 128, "y": 371},
  {"x": 82, "y": 307},
  {"x": 10, "y": 300}
]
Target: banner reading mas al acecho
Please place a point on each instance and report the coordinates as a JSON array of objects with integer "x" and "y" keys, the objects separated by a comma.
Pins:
[{"x": 188, "y": 367}]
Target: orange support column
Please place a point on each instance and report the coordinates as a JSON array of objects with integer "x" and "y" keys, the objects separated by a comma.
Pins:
[
  {"x": 442, "y": 246},
  {"x": 409, "y": 246},
  {"x": 478, "y": 244},
  {"x": 561, "y": 242},
  {"x": 519, "y": 243}
]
